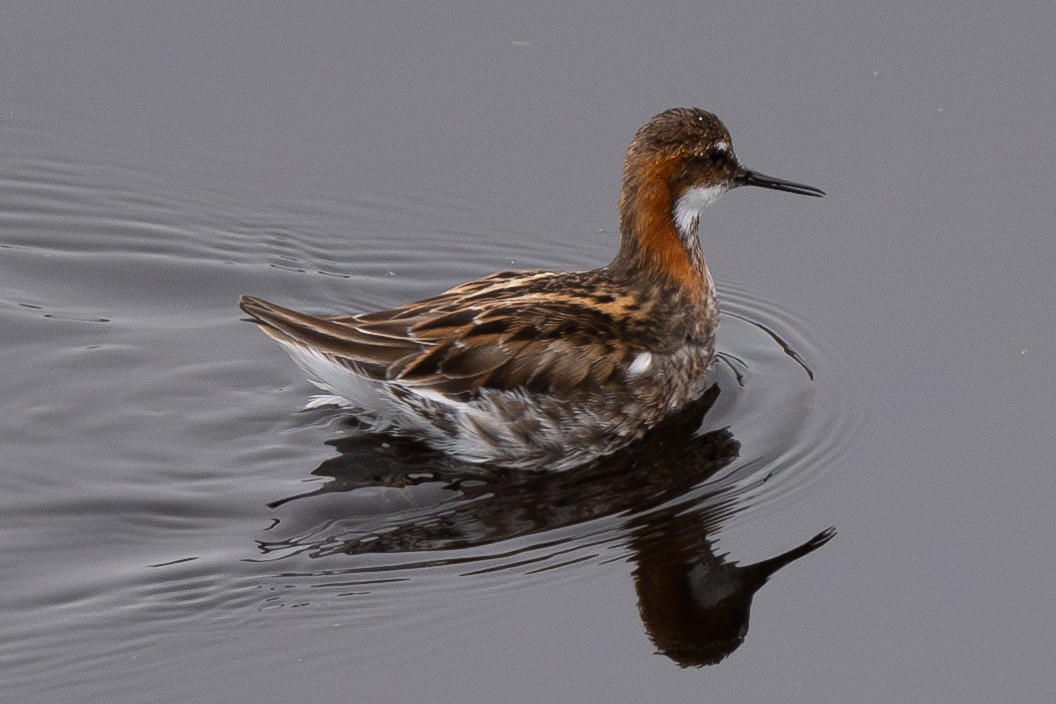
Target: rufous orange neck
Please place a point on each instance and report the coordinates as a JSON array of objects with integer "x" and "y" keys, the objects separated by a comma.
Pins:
[{"x": 651, "y": 244}]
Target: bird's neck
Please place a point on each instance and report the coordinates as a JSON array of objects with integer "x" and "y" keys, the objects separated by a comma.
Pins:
[{"x": 656, "y": 242}]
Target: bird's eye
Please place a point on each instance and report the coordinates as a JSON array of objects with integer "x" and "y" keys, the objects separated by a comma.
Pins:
[{"x": 717, "y": 155}]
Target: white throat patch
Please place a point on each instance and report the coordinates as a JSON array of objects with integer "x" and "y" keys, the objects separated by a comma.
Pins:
[{"x": 689, "y": 206}]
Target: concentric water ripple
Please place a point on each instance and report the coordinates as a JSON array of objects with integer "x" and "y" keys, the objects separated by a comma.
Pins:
[
  {"x": 385, "y": 510},
  {"x": 150, "y": 430}
]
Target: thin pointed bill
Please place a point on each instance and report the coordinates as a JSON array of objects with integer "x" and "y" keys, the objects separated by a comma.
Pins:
[{"x": 745, "y": 177}]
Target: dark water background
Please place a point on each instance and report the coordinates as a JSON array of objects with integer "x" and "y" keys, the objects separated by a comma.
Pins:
[{"x": 155, "y": 162}]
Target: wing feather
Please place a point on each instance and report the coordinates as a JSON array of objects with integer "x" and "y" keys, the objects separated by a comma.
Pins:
[{"x": 468, "y": 338}]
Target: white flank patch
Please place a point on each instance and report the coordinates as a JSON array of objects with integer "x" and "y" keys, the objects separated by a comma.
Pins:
[
  {"x": 641, "y": 364},
  {"x": 373, "y": 399},
  {"x": 324, "y": 400},
  {"x": 689, "y": 206},
  {"x": 337, "y": 379}
]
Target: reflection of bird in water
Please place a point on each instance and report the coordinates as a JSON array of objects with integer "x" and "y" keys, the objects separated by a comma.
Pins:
[
  {"x": 541, "y": 369},
  {"x": 695, "y": 605},
  {"x": 488, "y": 507}
]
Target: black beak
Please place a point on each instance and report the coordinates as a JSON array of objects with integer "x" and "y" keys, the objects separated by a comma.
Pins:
[{"x": 744, "y": 177}]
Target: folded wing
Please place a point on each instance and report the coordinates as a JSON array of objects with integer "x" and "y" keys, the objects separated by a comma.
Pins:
[{"x": 467, "y": 339}]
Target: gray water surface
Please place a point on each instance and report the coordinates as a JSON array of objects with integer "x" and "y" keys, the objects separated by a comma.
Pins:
[{"x": 174, "y": 527}]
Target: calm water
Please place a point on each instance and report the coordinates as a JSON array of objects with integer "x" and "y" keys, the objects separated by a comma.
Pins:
[
  {"x": 175, "y": 527},
  {"x": 163, "y": 479}
]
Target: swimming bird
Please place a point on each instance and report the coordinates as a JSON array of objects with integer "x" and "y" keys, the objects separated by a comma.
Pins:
[{"x": 547, "y": 370}]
